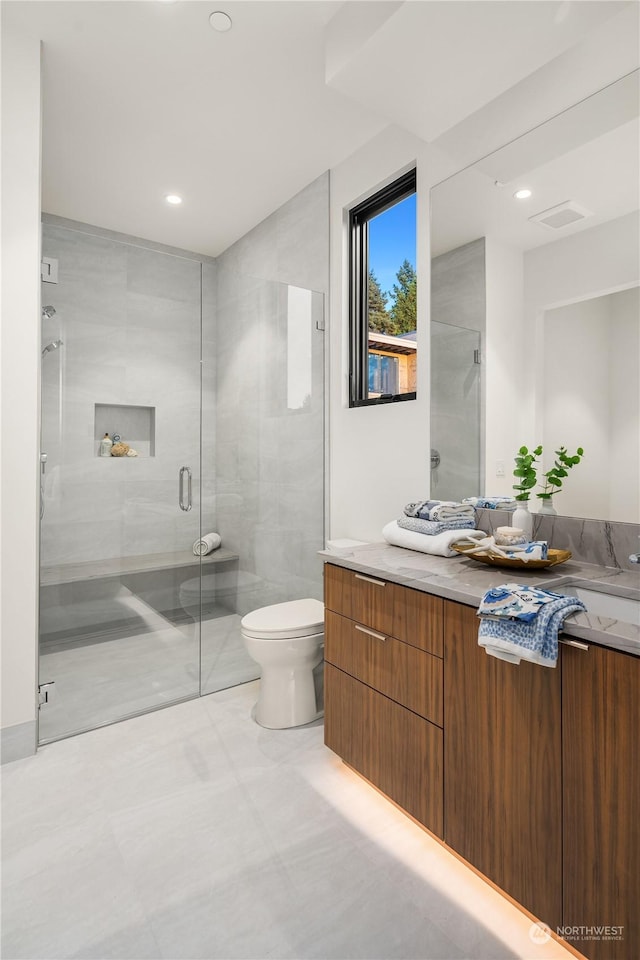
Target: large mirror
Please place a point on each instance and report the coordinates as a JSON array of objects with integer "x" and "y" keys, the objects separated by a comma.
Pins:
[{"x": 535, "y": 310}]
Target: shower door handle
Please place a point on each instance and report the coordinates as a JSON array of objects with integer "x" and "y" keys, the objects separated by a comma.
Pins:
[{"x": 181, "y": 475}]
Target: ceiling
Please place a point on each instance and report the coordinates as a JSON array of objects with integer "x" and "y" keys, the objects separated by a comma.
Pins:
[
  {"x": 588, "y": 155},
  {"x": 143, "y": 98}
]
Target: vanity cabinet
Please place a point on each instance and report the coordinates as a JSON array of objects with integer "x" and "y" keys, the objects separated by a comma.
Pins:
[
  {"x": 530, "y": 774},
  {"x": 601, "y": 766},
  {"x": 503, "y": 780},
  {"x": 384, "y": 688}
]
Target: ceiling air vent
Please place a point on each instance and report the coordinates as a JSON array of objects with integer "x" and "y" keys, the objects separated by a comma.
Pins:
[{"x": 561, "y": 215}]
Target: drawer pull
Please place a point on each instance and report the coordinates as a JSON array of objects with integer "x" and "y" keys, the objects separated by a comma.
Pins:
[
  {"x": 576, "y": 644},
  {"x": 378, "y": 583},
  {"x": 370, "y": 633}
]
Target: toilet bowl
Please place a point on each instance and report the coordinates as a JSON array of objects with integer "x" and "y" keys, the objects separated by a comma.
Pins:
[{"x": 287, "y": 641}]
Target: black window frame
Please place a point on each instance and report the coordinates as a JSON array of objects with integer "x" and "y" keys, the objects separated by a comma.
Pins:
[{"x": 359, "y": 217}]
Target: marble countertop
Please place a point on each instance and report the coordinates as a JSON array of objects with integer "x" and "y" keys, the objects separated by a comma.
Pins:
[{"x": 466, "y": 581}]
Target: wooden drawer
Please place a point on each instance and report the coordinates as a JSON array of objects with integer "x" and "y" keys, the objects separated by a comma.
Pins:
[
  {"x": 409, "y": 676},
  {"x": 409, "y": 615},
  {"x": 362, "y": 598},
  {"x": 399, "y": 752}
]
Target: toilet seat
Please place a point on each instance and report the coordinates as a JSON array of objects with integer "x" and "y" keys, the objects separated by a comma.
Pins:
[{"x": 284, "y": 621}]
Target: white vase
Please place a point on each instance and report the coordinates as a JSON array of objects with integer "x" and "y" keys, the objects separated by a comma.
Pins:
[
  {"x": 522, "y": 519},
  {"x": 547, "y": 507}
]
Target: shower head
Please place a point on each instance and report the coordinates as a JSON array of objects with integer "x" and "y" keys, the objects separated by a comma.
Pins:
[
  {"x": 48, "y": 312},
  {"x": 51, "y": 346}
]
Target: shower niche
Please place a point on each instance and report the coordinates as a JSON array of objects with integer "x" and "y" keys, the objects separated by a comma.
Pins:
[{"x": 135, "y": 425}]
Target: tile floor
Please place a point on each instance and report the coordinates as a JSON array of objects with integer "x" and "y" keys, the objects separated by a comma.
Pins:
[
  {"x": 153, "y": 663},
  {"x": 193, "y": 833}
]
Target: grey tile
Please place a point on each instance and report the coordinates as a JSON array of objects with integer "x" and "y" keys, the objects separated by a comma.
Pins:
[
  {"x": 79, "y": 901},
  {"x": 193, "y": 832},
  {"x": 162, "y": 275},
  {"x": 303, "y": 237}
]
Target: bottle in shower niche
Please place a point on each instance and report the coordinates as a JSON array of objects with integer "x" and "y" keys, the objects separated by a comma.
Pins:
[{"x": 105, "y": 446}]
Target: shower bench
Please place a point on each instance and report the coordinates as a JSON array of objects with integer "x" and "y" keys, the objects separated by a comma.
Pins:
[
  {"x": 97, "y": 598},
  {"x": 60, "y": 573}
]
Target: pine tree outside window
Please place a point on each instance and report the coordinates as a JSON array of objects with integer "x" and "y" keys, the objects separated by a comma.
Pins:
[{"x": 383, "y": 295}]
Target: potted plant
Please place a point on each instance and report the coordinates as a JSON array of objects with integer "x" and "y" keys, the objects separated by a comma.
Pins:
[
  {"x": 525, "y": 473},
  {"x": 554, "y": 477}
]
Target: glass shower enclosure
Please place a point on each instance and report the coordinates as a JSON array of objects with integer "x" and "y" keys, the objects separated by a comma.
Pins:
[
  {"x": 210, "y": 386},
  {"x": 456, "y": 412},
  {"x": 117, "y": 531}
]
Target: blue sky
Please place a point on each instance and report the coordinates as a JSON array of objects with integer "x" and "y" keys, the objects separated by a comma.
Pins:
[{"x": 392, "y": 239}]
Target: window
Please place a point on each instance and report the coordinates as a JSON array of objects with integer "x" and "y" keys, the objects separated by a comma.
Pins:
[{"x": 383, "y": 288}]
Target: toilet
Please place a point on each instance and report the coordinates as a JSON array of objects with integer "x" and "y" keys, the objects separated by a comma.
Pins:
[{"x": 287, "y": 641}]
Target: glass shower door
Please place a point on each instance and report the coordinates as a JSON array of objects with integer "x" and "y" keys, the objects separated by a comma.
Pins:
[
  {"x": 120, "y": 584},
  {"x": 456, "y": 392},
  {"x": 268, "y": 423}
]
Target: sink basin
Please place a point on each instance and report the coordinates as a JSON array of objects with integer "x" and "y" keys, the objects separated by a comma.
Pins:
[{"x": 609, "y": 605}]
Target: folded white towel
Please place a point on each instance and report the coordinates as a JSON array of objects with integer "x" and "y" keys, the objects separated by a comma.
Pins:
[
  {"x": 208, "y": 543},
  {"x": 439, "y": 545}
]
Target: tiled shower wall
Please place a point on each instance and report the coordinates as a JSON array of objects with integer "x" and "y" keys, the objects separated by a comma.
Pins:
[
  {"x": 129, "y": 319},
  {"x": 129, "y": 316},
  {"x": 270, "y": 458}
]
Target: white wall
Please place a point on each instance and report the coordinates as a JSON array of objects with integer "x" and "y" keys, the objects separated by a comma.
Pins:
[
  {"x": 592, "y": 263},
  {"x": 379, "y": 455},
  {"x": 576, "y": 402},
  {"x": 624, "y": 423},
  {"x": 596, "y": 404},
  {"x": 20, "y": 397}
]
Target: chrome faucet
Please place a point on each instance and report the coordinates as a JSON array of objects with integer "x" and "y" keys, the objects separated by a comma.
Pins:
[{"x": 635, "y": 557}]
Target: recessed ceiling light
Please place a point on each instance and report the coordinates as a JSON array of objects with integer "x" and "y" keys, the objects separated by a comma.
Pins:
[
  {"x": 220, "y": 21},
  {"x": 173, "y": 198},
  {"x": 522, "y": 194}
]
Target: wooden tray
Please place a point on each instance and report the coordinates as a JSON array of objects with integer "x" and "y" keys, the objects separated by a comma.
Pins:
[{"x": 554, "y": 556}]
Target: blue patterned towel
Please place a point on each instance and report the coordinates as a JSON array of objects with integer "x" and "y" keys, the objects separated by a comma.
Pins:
[
  {"x": 438, "y": 510},
  {"x": 492, "y": 503},
  {"x": 515, "y": 601},
  {"x": 527, "y": 627},
  {"x": 433, "y": 527}
]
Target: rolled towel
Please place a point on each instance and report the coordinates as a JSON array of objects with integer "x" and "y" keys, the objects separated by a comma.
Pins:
[
  {"x": 509, "y": 536},
  {"x": 531, "y": 550},
  {"x": 208, "y": 543},
  {"x": 438, "y": 509},
  {"x": 433, "y": 527},
  {"x": 438, "y": 545}
]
